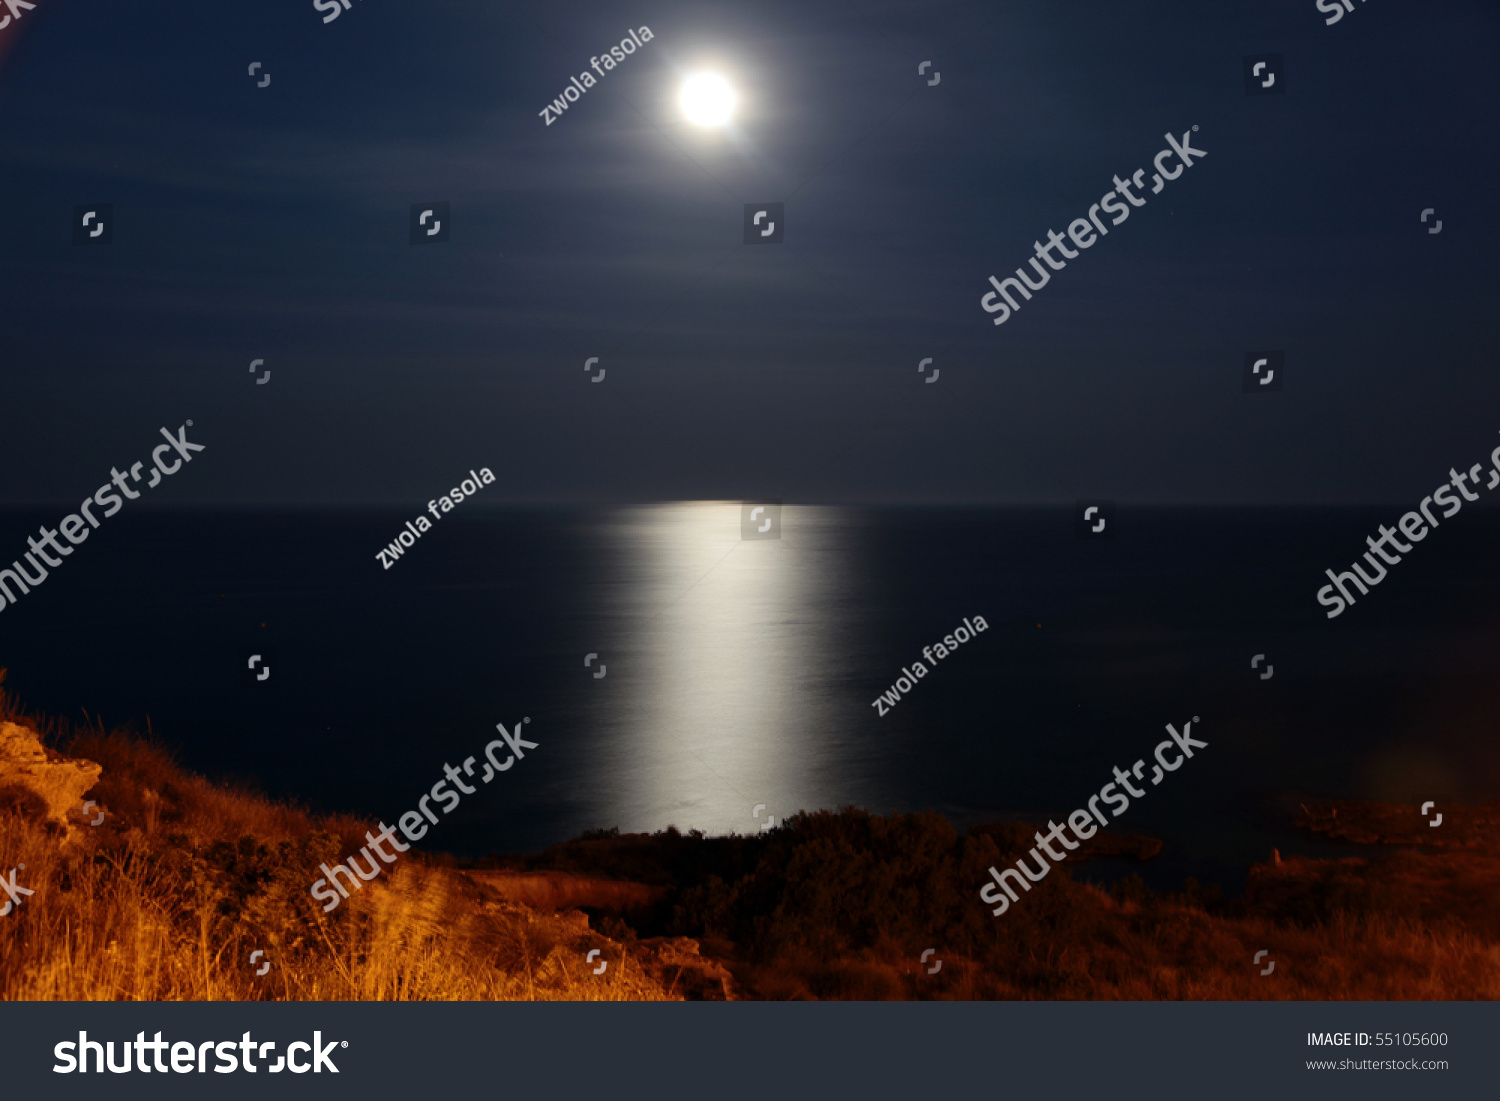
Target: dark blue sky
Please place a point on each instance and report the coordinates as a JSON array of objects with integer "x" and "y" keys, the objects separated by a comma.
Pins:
[{"x": 272, "y": 223}]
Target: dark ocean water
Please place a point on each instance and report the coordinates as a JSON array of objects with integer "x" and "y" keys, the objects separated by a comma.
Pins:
[{"x": 741, "y": 673}]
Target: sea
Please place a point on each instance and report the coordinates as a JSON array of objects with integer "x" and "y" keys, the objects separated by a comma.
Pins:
[{"x": 733, "y": 672}]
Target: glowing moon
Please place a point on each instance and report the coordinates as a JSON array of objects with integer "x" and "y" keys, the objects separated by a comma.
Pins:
[{"x": 707, "y": 100}]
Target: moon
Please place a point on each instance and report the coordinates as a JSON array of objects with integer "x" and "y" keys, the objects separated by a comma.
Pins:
[{"x": 707, "y": 99}]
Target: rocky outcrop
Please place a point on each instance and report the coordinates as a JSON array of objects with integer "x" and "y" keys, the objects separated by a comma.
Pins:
[{"x": 41, "y": 782}]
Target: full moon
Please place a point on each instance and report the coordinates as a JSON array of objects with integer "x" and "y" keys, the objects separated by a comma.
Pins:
[{"x": 707, "y": 99}]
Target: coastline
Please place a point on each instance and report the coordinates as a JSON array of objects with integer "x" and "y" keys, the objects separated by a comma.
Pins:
[{"x": 167, "y": 870}]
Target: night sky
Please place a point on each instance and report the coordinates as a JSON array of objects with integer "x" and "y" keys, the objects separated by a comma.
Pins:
[{"x": 273, "y": 223}]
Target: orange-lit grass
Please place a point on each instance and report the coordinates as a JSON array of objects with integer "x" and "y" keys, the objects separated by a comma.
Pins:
[{"x": 170, "y": 896}]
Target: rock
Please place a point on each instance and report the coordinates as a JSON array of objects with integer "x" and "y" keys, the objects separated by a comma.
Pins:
[
  {"x": 43, "y": 780},
  {"x": 676, "y": 964}
]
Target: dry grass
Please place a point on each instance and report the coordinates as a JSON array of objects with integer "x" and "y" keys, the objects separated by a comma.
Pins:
[{"x": 170, "y": 896}]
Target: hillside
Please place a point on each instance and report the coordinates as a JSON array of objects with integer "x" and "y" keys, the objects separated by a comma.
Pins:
[{"x": 183, "y": 881}]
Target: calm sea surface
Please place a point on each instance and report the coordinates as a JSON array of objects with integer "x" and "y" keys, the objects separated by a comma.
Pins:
[{"x": 739, "y": 673}]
